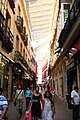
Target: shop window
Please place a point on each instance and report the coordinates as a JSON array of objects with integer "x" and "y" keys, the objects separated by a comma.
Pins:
[{"x": 4, "y": 69}]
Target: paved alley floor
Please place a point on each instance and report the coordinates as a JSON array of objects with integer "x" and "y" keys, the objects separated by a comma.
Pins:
[
  {"x": 12, "y": 113},
  {"x": 62, "y": 112}
]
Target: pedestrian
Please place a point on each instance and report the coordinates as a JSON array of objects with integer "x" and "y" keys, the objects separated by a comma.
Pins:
[
  {"x": 19, "y": 97},
  {"x": 48, "y": 107},
  {"x": 75, "y": 100},
  {"x": 28, "y": 97},
  {"x": 36, "y": 101},
  {"x": 3, "y": 105}
]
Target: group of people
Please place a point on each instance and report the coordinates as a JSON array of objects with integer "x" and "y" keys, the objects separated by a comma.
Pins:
[{"x": 42, "y": 106}]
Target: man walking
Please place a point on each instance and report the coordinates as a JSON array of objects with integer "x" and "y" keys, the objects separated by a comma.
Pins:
[
  {"x": 75, "y": 99},
  {"x": 3, "y": 106}
]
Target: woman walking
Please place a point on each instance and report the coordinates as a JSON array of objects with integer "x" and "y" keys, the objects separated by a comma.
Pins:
[
  {"x": 48, "y": 110},
  {"x": 36, "y": 104},
  {"x": 28, "y": 97},
  {"x": 19, "y": 97}
]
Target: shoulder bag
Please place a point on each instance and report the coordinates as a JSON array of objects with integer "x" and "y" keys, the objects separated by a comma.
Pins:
[{"x": 16, "y": 98}]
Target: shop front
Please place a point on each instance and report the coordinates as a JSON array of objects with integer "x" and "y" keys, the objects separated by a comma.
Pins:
[
  {"x": 16, "y": 77},
  {"x": 4, "y": 74},
  {"x": 71, "y": 74}
]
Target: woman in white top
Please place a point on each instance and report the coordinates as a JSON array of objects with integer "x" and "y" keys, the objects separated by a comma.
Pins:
[{"x": 48, "y": 107}]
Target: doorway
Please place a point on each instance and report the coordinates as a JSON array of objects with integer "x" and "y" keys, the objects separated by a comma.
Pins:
[{"x": 71, "y": 79}]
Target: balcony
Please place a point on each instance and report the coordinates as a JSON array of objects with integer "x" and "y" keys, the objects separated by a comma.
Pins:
[
  {"x": 8, "y": 39},
  {"x": 71, "y": 29},
  {"x": 19, "y": 58},
  {"x": 23, "y": 34},
  {"x": 1, "y": 29},
  {"x": 19, "y": 23}
]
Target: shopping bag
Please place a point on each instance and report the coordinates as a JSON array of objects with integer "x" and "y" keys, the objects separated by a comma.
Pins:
[{"x": 28, "y": 115}]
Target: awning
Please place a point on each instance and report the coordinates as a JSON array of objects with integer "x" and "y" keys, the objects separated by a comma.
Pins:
[{"x": 6, "y": 56}]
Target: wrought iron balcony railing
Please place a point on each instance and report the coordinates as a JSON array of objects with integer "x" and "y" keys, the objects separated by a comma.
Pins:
[
  {"x": 19, "y": 57},
  {"x": 6, "y": 36},
  {"x": 19, "y": 23},
  {"x": 8, "y": 39},
  {"x": 2, "y": 32},
  {"x": 24, "y": 30},
  {"x": 72, "y": 18}
]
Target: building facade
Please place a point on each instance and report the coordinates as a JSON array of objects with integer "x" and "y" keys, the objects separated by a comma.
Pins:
[
  {"x": 65, "y": 71},
  {"x": 17, "y": 58}
]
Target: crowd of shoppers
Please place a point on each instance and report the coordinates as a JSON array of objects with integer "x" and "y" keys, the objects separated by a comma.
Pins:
[{"x": 42, "y": 106}]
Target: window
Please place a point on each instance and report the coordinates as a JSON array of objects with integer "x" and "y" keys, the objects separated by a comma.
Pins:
[
  {"x": 17, "y": 43},
  {"x": 21, "y": 48},
  {"x": 19, "y": 11},
  {"x": 3, "y": 5},
  {"x": 24, "y": 53}
]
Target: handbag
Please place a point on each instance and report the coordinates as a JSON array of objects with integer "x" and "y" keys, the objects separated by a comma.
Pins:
[
  {"x": 16, "y": 98},
  {"x": 28, "y": 115}
]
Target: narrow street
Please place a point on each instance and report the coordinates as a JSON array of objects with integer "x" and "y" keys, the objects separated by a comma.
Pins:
[{"x": 62, "y": 112}]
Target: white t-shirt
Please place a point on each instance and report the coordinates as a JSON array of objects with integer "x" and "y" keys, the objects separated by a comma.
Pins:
[{"x": 75, "y": 96}]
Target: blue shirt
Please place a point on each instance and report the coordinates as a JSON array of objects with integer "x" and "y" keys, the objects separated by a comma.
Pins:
[
  {"x": 3, "y": 103},
  {"x": 28, "y": 93}
]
